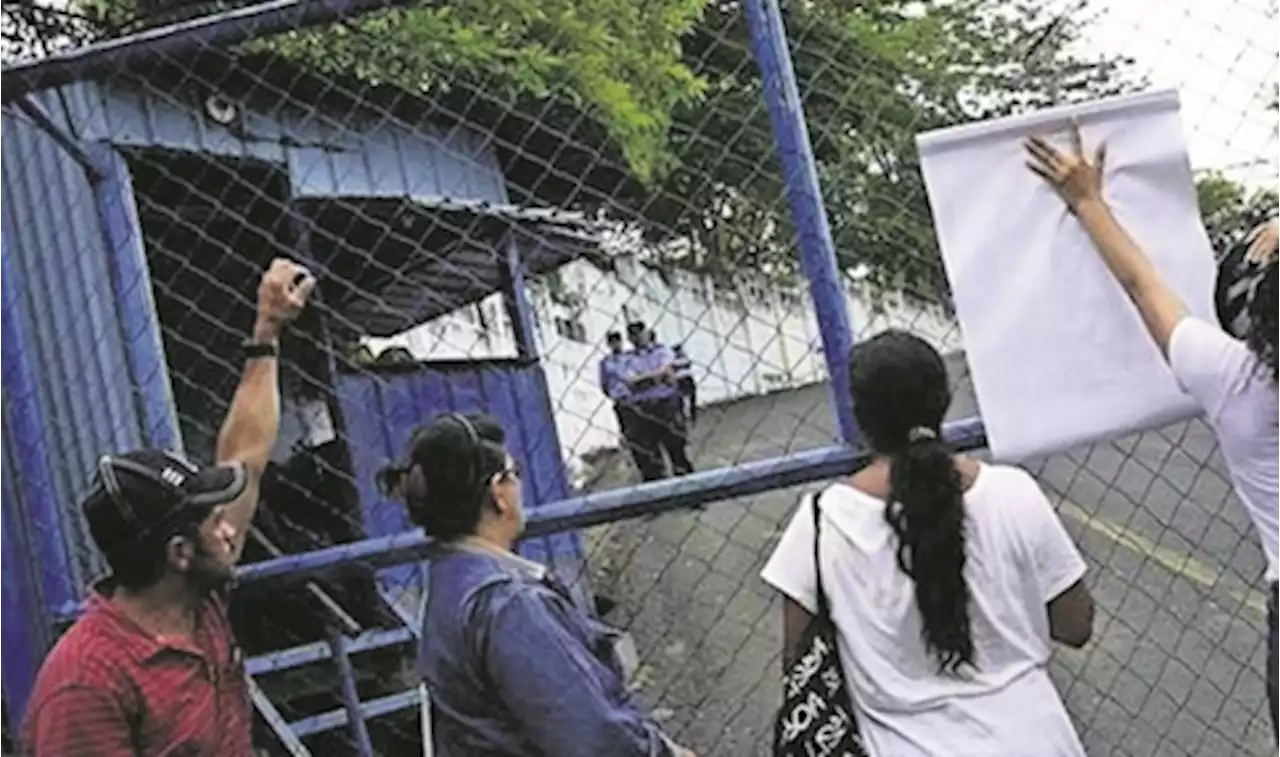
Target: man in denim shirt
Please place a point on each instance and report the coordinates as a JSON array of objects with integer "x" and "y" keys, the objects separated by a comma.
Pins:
[
  {"x": 660, "y": 423},
  {"x": 511, "y": 666}
]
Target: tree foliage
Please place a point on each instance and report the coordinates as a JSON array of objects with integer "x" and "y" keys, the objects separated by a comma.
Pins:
[
  {"x": 30, "y": 31},
  {"x": 618, "y": 61},
  {"x": 1230, "y": 210}
]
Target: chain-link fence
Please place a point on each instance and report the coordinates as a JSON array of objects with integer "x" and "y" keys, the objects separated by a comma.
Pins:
[{"x": 487, "y": 190}]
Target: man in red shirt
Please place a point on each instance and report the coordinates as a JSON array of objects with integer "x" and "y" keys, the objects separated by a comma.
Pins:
[{"x": 152, "y": 668}]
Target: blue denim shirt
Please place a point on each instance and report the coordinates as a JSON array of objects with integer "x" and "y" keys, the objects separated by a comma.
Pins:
[
  {"x": 514, "y": 669},
  {"x": 648, "y": 360},
  {"x": 612, "y": 369}
]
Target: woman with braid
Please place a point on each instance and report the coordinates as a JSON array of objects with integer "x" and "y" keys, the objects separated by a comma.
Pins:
[{"x": 946, "y": 578}]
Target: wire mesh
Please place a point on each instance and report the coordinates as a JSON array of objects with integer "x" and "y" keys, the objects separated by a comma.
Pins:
[{"x": 622, "y": 153}]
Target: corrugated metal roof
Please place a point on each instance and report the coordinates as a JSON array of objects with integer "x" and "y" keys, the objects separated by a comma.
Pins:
[
  {"x": 331, "y": 146},
  {"x": 392, "y": 265}
]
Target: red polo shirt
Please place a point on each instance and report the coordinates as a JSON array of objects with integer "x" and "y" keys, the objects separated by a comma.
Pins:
[{"x": 111, "y": 689}]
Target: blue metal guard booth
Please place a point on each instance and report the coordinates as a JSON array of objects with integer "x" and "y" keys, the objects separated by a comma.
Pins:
[{"x": 137, "y": 214}]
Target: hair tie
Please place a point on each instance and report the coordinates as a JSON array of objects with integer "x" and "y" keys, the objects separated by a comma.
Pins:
[
  {"x": 391, "y": 476},
  {"x": 920, "y": 434}
]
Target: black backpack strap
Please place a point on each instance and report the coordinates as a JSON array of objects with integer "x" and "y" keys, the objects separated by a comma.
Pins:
[{"x": 824, "y": 610}]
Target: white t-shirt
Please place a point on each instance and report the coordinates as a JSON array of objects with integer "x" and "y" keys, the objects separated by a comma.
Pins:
[
  {"x": 1019, "y": 558},
  {"x": 1240, "y": 401}
]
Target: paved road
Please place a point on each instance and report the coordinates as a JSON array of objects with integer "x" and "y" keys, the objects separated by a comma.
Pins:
[{"x": 1176, "y": 662}]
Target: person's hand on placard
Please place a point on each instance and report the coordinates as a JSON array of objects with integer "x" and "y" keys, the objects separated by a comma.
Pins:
[
  {"x": 1264, "y": 242},
  {"x": 282, "y": 294},
  {"x": 1073, "y": 176}
]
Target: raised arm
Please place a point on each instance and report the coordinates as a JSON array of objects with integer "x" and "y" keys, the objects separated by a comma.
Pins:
[
  {"x": 1079, "y": 182},
  {"x": 253, "y": 421}
]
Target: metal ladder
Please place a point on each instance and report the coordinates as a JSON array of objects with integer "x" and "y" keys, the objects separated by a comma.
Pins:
[{"x": 346, "y": 637}]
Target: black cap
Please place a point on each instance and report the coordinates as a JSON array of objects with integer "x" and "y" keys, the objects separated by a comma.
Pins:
[
  {"x": 139, "y": 494},
  {"x": 636, "y": 327}
]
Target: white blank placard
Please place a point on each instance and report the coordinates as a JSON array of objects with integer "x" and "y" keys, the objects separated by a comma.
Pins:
[{"x": 1059, "y": 356}]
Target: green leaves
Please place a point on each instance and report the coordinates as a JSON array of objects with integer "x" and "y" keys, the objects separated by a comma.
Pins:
[
  {"x": 617, "y": 60},
  {"x": 1229, "y": 210}
]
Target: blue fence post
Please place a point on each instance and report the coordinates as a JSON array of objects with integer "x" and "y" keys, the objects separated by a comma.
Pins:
[
  {"x": 35, "y": 564},
  {"x": 24, "y": 636},
  {"x": 127, "y": 256},
  {"x": 220, "y": 29},
  {"x": 800, "y": 175},
  {"x": 516, "y": 299},
  {"x": 564, "y": 551}
]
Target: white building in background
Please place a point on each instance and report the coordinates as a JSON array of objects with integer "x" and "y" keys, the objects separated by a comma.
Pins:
[{"x": 743, "y": 341}]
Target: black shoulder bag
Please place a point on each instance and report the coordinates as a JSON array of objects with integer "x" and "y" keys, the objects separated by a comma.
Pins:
[{"x": 816, "y": 717}]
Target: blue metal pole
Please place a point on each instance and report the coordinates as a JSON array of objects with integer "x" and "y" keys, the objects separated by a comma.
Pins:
[
  {"x": 35, "y": 563},
  {"x": 69, "y": 144},
  {"x": 127, "y": 257},
  {"x": 800, "y": 174},
  {"x": 165, "y": 43},
  {"x": 350, "y": 696},
  {"x": 563, "y": 551},
  {"x": 515, "y": 298}
]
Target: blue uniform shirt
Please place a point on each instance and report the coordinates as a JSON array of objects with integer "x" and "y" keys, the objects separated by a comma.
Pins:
[
  {"x": 647, "y": 360},
  {"x": 612, "y": 369}
]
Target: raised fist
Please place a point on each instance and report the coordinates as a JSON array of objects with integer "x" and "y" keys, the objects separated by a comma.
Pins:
[{"x": 283, "y": 292}]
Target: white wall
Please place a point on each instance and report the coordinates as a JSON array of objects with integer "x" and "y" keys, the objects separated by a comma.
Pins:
[{"x": 743, "y": 341}]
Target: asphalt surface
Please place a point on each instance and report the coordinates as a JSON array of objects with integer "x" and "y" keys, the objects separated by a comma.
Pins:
[{"x": 1175, "y": 667}]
